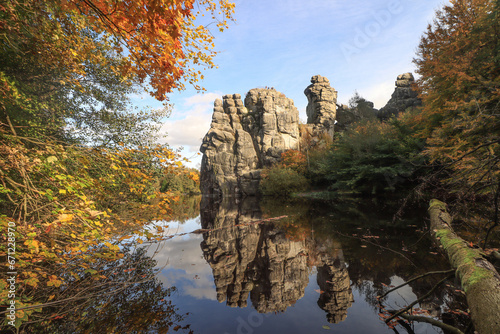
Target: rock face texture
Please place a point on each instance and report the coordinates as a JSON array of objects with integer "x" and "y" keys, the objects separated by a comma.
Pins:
[
  {"x": 260, "y": 261},
  {"x": 243, "y": 138},
  {"x": 404, "y": 97},
  {"x": 252, "y": 259},
  {"x": 246, "y": 137},
  {"x": 272, "y": 121},
  {"x": 322, "y": 105},
  {"x": 333, "y": 279}
]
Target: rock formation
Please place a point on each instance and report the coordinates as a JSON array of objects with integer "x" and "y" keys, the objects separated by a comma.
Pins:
[
  {"x": 229, "y": 156},
  {"x": 252, "y": 259},
  {"x": 321, "y": 108},
  {"x": 404, "y": 97},
  {"x": 260, "y": 261},
  {"x": 245, "y": 138}
]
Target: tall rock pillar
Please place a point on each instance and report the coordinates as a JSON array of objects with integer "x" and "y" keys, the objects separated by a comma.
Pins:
[{"x": 322, "y": 105}]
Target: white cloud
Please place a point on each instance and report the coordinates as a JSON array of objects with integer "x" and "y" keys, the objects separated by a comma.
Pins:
[
  {"x": 189, "y": 131},
  {"x": 186, "y": 268},
  {"x": 189, "y": 123},
  {"x": 202, "y": 99}
]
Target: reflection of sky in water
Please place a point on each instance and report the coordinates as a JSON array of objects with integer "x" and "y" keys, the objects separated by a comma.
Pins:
[{"x": 186, "y": 269}]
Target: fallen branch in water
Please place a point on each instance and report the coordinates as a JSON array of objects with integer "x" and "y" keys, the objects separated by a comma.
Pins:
[
  {"x": 432, "y": 321},
  {"x": 416, "y": 278},
  {"x": 398, "y": 313},
  {"x": 262, "y": 221}
]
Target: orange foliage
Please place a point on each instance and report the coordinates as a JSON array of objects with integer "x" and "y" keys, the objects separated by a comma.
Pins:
[
  {"x": 295, "y": 160},
  {"x": 158, "y": 39}
]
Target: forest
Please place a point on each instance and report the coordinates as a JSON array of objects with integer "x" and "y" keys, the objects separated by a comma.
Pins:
[{"x": 80, "y": 164}]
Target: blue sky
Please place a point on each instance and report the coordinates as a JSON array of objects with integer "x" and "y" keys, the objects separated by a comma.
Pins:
[{"x": 358, "y": 45}]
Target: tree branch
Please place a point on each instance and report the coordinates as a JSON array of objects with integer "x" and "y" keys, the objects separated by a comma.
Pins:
[
  {"x": 433, "y": 322},
  {"x": 398, "y": 313},
  {"x": 416, "y": 278}
]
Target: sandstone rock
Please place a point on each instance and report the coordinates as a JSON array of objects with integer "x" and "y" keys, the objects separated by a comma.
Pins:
[
  {"x": 403, "y": 97},
  {"x": 273, "y": 123},
  {"x": 260, "y": 261},
  {"x": 244, "y": 138},
  {"x": 321, "y": 108}
]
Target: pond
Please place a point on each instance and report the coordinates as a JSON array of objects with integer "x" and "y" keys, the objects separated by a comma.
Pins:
[{"x": 300, "y": 266}]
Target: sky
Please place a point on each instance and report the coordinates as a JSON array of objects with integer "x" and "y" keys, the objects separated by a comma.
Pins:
[{"x": 358, "y": 45}]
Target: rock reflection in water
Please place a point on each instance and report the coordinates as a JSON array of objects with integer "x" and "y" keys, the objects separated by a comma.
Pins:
[
  {"x": 333, "y": 279},
  {"x": 259, "y": 260}
]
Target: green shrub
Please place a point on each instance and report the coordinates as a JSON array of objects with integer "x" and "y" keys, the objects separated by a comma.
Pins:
[
  {"x": 371, "y": 158},
  {"x": 282, "y": 181}
]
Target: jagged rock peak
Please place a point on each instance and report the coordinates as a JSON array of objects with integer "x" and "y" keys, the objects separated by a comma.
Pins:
[
  {"x": 322, "y": 105},
  {"x": 403, "y": 97},
  {"x": 405, "y": 80},
  {"x": 244, "y": 138}
]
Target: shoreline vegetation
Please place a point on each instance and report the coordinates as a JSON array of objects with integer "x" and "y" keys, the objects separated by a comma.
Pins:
[{"x": 82, "y": 175}]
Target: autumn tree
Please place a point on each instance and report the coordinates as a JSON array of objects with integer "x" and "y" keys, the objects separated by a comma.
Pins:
[
  {"x": 70, "y": 64},
  {"x": 77, "y": 176},
  {"x": 459, "y": 63}
]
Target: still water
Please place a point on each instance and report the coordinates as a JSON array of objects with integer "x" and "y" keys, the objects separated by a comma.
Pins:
[{"x": 298, "y": 267}]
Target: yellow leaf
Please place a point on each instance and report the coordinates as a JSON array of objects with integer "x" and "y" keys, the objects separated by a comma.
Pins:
[
  {"x": 64, "y": 218},
  {"x": 35, "y": 244},
  {"x": 51, "y": 159},
  {"x": 62, "y": 191}
]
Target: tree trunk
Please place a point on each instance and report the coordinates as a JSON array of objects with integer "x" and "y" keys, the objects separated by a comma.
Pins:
[{"x": 478, "y": 277}]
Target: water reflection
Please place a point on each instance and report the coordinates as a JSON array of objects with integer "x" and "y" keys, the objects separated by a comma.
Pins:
[
  {"x": 299, "y": 273},
  {"x": 128, "y": 299},
  {"x": 253, "y": 257}
]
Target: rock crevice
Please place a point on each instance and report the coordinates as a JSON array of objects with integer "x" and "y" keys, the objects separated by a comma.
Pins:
[
  {"x": 248, "y": 135},
  {"x": 245, "y": 137}
]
